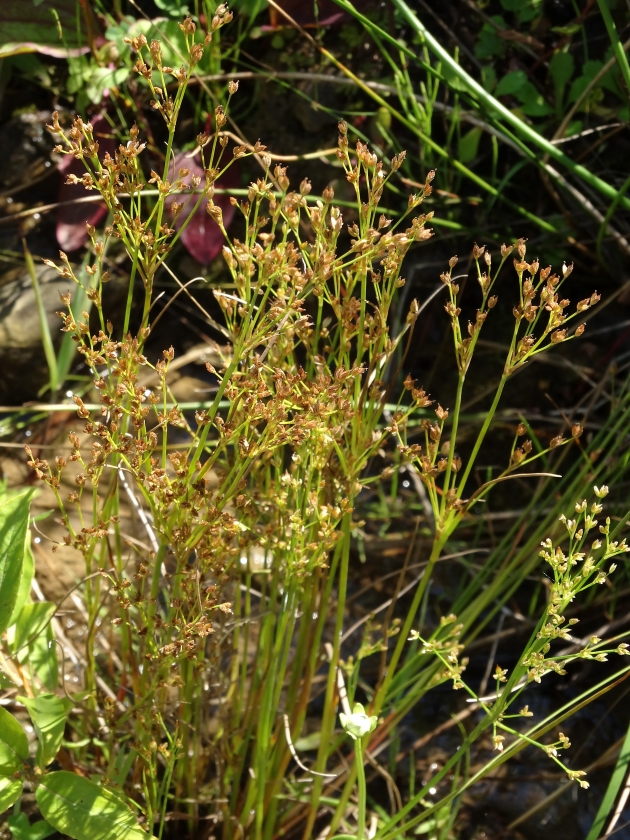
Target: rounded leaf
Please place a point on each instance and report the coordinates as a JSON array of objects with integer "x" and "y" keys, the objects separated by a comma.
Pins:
[
  {"x": 14, "y": 513},
  {"x": 13, "y": 744},
  {"x": 48, "y": 713},
  {"x": 10, "y": 789},
  {"x": 84, "y": 810}
]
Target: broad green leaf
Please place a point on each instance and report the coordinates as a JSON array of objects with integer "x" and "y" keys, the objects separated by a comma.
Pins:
[
  {"x": 103, "y": 78},
  {"x": 489, "y": 44},
  {"x": 48, "y": 713},
  {"x": 561, "y": 69},
  {"x": 488, "y": 77},
  {"x": 13, "y": 743},
  {"x": 21, "y": 829},
  {"x": 469, "y": 145},
  {"x": 10, "y": 789},
  {"x": 511, "y": 83},
  {"x": 42, "y": 657},
  {"x": 28, "y": 570},
  {"x": 451, "y": 78},
  {"x": 309, "y": 742},
  {"x": 14, "y": 512},
  {"x": 533, "y": 102},
  {"x": 33, "y": 619},
  {"x": 174, "y": 8},
  {"x": 33, "y": 27},
  {"x": 84, "y": 810}
]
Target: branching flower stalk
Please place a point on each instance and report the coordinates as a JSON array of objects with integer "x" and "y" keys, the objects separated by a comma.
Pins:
[{"x": 575, "y": 569}]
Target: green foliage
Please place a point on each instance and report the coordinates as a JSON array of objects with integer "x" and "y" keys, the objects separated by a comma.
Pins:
[
  {"x": 469, "y": 144},
  {"x": 48, "y": 713},
  {"x": 21, "y": 829},
  {"x": 525, "y": 10},
  {"x": 174, "y": 8},
  {"x": 32, "y": 620},
  {"x": 561, "y": 69},
  {"x": 48, "y": 27},
  {"x": 84, "y": 810},
  {"x": 14, "y": 512},
  {"x": 26, "y": 579},
  {"x": 254, "y": 509},
  {"x": 489, "y": 43},
  {"x": 511, "y": 83},
  {"x": 13, "y": 744},
  {"x": 10, "y": 790}
]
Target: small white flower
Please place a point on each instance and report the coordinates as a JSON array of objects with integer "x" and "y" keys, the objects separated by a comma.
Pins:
[
  {"x": 358, "y": 723},
  {"x": 602, "y": 491}
]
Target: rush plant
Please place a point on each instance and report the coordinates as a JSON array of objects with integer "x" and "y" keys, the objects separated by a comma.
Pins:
[{"x": 222, "y": 624}]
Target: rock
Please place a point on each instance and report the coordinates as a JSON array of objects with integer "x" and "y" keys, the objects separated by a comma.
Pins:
[{"x": 24, "y": 368}]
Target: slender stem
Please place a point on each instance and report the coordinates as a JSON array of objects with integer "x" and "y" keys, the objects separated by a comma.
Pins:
[
  {"x": 453, "y": 442},
  {"x": 481, "y": 436},
  {"x": 497, "y": 107},
  {"x": 617, "y": 46},
  {"x": 132, "y": 281},
  {"x": 330, "y": 707},
  {"x": 358, "y": 753}
]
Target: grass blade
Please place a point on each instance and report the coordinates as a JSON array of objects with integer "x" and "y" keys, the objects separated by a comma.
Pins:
[
  {"x": 617, "y": 46},
  {"x": 49, "y": 350},
  {"x": 608, "y": 802},
  {"x": 495, "y": 107}
]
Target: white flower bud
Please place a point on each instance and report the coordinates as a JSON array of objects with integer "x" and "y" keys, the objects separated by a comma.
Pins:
[{"x": 358, "y": 723}]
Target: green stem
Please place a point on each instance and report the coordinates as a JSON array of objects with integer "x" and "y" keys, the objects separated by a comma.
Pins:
[
  {"x": 453, "y": 442},
  {"x": 49, "y": 350},
  {"x": 132, "y": 281},
  {"x": 358, "y": 753},
  {"x": 330, "y": 707},
  {"x": 617, "y": 46},
  {"x": 496, "y": 107},
  {"x": 481, "y": 436}
]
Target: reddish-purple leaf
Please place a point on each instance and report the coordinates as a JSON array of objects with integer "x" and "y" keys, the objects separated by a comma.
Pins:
[
  {"x": 71, "y": 217},
  {"x": 202, "y": 236},
  {"x": 37, "y": 27}
]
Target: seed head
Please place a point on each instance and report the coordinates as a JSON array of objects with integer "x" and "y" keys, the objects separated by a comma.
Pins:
[{"x": 188, "y": 27}]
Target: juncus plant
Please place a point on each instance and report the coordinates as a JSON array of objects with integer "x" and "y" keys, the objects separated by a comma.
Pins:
[{"x": 222, "y": 622}]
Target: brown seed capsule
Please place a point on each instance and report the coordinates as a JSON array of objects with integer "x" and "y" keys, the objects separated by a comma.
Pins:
[{"x": 577, "y": 430}]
